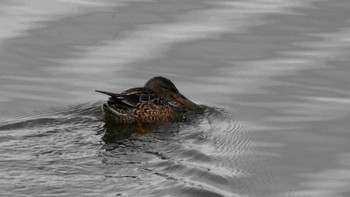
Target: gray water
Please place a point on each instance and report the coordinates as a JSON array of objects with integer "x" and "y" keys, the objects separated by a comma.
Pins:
[{"x": 273, "y": 77}]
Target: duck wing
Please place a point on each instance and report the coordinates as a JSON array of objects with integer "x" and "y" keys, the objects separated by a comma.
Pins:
[{"x": 131, "y": 97}]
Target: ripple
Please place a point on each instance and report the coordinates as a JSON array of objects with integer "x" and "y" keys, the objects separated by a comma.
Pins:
[
  {"x": 26, "y": 15},
  {"x": 150, "y": 41},
  {"x": 231, "y": 137},
  {"x": 201, "y": 157},
  {"x": 193, "y": 158},
  {"x": 48, "y": 150}
]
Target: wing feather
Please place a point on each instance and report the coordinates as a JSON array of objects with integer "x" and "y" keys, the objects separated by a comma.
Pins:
[{"x": 130, "y": 97}]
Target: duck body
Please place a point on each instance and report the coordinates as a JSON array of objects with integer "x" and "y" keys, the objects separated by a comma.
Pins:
[
  {"x": 158, "y": 101},
  {"x": 136, "y": 105}
]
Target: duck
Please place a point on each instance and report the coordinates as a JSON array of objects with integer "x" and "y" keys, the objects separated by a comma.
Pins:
[{"x": 157, "y": 101}]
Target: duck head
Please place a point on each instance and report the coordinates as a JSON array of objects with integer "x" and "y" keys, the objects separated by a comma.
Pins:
[{"x": 166, "y": 89}]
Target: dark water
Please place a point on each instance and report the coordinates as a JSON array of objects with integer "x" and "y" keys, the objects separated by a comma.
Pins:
[{"x": 273, "y": 75}]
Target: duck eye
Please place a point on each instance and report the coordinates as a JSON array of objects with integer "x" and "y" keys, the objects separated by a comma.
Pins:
[{"x": 166, "y": 87}]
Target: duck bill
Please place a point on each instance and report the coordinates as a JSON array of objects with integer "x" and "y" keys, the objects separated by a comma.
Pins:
[{"x": 182, "y": 100}]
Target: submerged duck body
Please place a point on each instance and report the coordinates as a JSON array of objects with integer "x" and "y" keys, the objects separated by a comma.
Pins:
[{"x": 157, "y": 101}]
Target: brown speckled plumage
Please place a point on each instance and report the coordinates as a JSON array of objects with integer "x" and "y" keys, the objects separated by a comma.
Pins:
[{"x": 151, "y": 103}]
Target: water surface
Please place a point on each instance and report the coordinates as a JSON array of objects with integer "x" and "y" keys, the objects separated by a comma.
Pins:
[{"x": 273, "y": 77}]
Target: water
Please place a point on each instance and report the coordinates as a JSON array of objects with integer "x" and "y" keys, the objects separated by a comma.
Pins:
[{"x": 272, "y": 74}]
